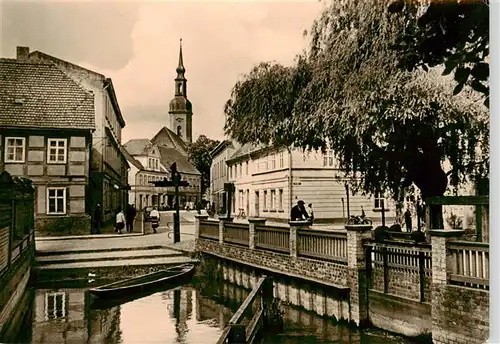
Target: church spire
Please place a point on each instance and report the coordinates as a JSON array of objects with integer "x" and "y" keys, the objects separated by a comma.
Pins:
[{"x": 180, "y": 68}]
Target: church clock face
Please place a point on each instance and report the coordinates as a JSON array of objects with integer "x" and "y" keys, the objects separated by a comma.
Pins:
[{"x": 179, "y": 119}]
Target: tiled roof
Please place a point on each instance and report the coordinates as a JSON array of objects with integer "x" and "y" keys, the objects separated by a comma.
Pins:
[
  {"x": 39, "y": 56},
  {"x": 131, "y": 159},
  {"x": 167, "y": 138},
  {"x": 170, "y": 155},
  {"x": 137, "y": 146},
  {"x": 34, "y": 94}
]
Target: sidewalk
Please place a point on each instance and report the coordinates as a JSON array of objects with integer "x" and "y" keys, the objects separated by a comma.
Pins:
[{"x": 114, "y": 241}]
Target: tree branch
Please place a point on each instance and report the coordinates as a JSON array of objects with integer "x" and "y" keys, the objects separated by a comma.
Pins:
[{"x": 468, "y": 165}]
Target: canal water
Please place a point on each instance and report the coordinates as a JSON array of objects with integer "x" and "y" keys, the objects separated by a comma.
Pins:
[{"x": 192, "y": 314}]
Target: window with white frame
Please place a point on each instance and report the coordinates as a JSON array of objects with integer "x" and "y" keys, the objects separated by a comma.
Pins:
[
  {"x": 246, "y": 168},
  {"x": 281, "y": 159},
  {"x": 14, "y": 149},
  {"x": 55, "y": 305},
  {"x": 140, "y": 179},
  {"x": 328, "y": 158},
  {"x": 273, "y": 161},
  {"x": 241, "y": 169},
  {"x": 379, "y": 201},
  {"x": 56, "y": 200},
  {"x": 57, "y": 151},
  {"x": 273, "y": 199}
]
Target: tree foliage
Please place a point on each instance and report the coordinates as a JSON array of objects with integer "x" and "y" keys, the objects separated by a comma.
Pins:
[
  {"x": 453, "y": 33},
  {"x": 199, "y": 156},
  {"x": 388, "y": 127}
]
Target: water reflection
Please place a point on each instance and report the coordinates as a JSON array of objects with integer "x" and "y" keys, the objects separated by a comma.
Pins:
[{"x": 191, "y": 314}]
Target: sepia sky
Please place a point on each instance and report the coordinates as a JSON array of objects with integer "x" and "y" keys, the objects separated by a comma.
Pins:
[{"x": 137, "y": 45}]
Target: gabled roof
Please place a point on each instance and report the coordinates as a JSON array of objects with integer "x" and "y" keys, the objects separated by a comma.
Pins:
[
  {"x": 40, "y": 95},
  {"x": 137, "y": 146},
  {"x": 246, "y": 149},
  {"x": 170, "y": 155},
  {"x": 167, "y": 138},
  {"x": 220, "y": 147},
  {"x": 131, "y": 159},
  {"x": 38, "y": 55}
]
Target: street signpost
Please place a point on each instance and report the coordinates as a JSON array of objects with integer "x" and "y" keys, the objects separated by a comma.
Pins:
[{"x": 175, "y": 181}]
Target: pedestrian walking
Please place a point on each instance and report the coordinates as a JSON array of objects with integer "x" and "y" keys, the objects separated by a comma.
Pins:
[
  {"x": 120, "y": 220},
  {"x": 97, "y": 219},
  {"x": 310, "y": 212},
  {"x": 299, "y": 212},
  {"x": 131, "y": 214},
  {"x": 155, "y": 219}
]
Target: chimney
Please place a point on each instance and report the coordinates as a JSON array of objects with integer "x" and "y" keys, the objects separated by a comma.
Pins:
[{"x": 23, "y": 53}]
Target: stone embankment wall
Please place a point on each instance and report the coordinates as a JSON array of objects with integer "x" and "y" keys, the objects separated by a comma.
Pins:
[{"x": 407, "y": 288}]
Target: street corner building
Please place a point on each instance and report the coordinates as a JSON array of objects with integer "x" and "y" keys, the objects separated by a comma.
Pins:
[
  {"x": 270, "y": 180},
  {"x": 108, "y": 176},
  {"x": 46, "y": 125}
]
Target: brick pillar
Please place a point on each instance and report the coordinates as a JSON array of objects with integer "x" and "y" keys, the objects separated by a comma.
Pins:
[
  {"x": 356, "y": 268},
  {"x": 254, "y": 222},
  {"x": 440, "y": 258},
  {"x": 222, "y": 227},
  {"x": 198, "y": 218},
  {"x": 294, "y": 226}
]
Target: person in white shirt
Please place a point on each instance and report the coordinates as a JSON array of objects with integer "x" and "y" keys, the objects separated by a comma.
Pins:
[
  {"x": 120, "y": 221},
  {"x": 155, "y": 219},
  {"x": 310, "y": 212}
]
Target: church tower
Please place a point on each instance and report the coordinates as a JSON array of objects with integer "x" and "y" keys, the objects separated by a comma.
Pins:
[{"x": 180, "y": 109}]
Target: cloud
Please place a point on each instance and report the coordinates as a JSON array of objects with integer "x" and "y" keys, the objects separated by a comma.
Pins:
[{"x": 139, "y": 50}]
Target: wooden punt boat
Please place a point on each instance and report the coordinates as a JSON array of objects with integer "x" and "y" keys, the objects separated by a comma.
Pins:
[{"x": 140, "y": 284}]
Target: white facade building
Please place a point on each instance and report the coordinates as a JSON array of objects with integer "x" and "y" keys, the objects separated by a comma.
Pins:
[{"x": 269, "y": 181}]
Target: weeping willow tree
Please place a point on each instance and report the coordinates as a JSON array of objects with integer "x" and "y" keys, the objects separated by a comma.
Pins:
[{"x": 389, "y": 128}]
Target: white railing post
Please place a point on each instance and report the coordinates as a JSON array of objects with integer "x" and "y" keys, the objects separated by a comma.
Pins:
[
  {"x": 294, "y": 227},
  {"x": 197, "y": 224},
  {"x": 222, "y": 227},
  {"x": 253, "y": 222}
]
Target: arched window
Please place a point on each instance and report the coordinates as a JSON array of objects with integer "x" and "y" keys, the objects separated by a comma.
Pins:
[
  {"x": 179, "y": 88},
  {"x": 179, "y": 130}
]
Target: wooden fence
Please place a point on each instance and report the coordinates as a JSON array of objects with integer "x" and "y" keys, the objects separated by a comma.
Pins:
[
  {"x": 235, "y": 331},
  {"x": 209, "y": 230},
  {"x": 273, "y": 238},
  {"x": 469, "y": 264},
  {"x": 400, "y": 264},
  {"x": 320, "y": 244},
  {"x": 16, "y": 220}
]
